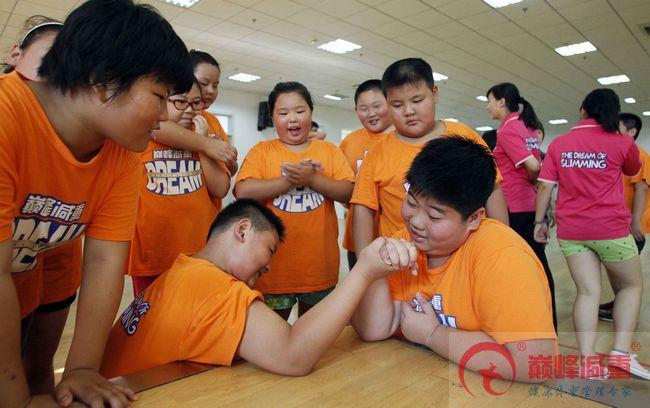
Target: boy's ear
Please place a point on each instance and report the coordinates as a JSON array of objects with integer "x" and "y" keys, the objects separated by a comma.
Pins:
[
  {"x": 436, "y": 96},
  {"x": 474, "y": 220},
  {"x": 243, "y": 230}
]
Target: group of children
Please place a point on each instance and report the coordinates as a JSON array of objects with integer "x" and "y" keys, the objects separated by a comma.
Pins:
[{"x": 120, "y": 149}]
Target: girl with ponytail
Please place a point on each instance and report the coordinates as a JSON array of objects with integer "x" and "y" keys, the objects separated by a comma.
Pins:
[
  {"x": 593, "y": 223},
  {"x": 518, "y": 158}
]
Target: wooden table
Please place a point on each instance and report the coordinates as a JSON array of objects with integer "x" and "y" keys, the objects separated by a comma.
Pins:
[{"x": 352, "y": 373}]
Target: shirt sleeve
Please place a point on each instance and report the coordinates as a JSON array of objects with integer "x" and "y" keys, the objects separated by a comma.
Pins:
[
  {"x": 341, "y": 167},
  {"x": 8, "y": 181},
  {"x": 366, "y": 191},
  {"x": 512, "y": 298},
  {"x": 347, "y": 151},
  {"x": 513, "y": 145},
  {"x": 253, "y": 165},
  {"x": 549, "y": 172},
  {"x": 218, "y": 326},
  {"x": 115, "y": 218},
  {"x": 632, "y": 162}
]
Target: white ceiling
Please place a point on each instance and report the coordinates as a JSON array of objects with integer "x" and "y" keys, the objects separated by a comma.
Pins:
[{"x": 475, "y": 45}]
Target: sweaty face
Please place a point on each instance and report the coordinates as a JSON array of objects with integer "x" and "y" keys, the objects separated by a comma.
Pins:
[
  {"x": 131, "y": 116},
  {"x": 208, "y": 76},
  {"x": 292, "y": 118},
  {"x": 28, "y": 60},
  {"x": 372, "y": 111},
  {"x": 412, "y": 108},
  {"x": 256, "y": 255},
  {"x": 434, "y": 228}
]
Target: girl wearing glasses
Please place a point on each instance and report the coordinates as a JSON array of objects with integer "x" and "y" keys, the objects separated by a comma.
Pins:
[{"x": 177, "y": 188}]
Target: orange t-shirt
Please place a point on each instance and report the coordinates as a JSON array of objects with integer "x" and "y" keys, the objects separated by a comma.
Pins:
[
  {"x": 381, "y": 184},
  {"x": 215, "y": 130},
  {"x": 48, "y": 197},
  {"x": 193, "y": 312},
  {"x": 355, "y": 146},
  {"x": 493, "y": 283},
  {"x": 175, "y": 209},
  {"x": 628, "y": 183},
  {"x": 308, "y": 260}
]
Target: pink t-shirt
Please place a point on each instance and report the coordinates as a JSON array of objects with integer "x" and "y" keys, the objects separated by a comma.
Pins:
[
  {"x": 587, "y": 163},
  {"x": 515, "y": 144}
]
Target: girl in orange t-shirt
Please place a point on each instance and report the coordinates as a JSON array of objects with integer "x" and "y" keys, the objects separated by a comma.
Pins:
[
  {"x": 178, "y": 182},
  {"x": 68, "y": 167},
  {"x": 299, "y": 179},
  {"x": 61, "y": 274},
  {"x": 217, "y": 145}
]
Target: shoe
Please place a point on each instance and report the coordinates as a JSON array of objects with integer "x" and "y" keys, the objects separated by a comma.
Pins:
[
  {"x": 605, "y": 315},
  {"x": 635, "y": 368},
  {"x": 606, "y": 306}
]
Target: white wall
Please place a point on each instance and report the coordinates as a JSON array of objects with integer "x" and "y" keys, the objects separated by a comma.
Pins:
[{"x": 242, "y": 108}]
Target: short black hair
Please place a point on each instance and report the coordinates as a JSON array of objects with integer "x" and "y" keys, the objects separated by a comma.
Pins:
[
  {"x": 369, "y": 85},
  {"x": 412, "y": 71},
  {"x": 604, "y": 106},
  {"x": 314, "y": 125},
  {"x": 289, "y": 87},
  {"x": 631, "y": 121},
  {"x": 116, "y": 42},
  {"x": 261, "y": 217},
  {"x": 490, "y": 138},
  {"x": 455, "y": 171},
  {"x": 199, "y": 57}
]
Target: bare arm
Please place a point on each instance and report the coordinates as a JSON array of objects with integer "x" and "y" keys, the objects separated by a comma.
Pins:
[
  {"x": 337, "y": 190},
  {"x": 261, "y": 190},
  {"x": 532, "y": 167},
  {"x": 13, "y": 385},
  {"x": 544, "y": 194},
  {"x": 452, "y": 344},
  {"x": 174, "y": 135},
  {"x": 377, "y": 316},
  {"x": 496, "y": 206},
  {"x": 216, "y": 179},
  {"x": 99, "y": 298},
  {"x": 638, "y": 207},
  {"x": 363, "y": 226},
  {"x": 271, "y": 343}
]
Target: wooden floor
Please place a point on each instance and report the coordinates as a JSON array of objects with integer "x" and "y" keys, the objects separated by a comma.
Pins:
[{"x": 357, "y": 373}]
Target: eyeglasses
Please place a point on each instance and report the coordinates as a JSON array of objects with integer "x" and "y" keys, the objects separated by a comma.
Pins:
[{"x": 182, "y": 104}]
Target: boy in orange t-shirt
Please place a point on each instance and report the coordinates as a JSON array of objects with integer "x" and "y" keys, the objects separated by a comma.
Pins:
[
  {"x": 477, "y": 281},
  {"x": 372, "y": 110},
  {"x": 68, "y": 168},
  {"x": 206, "y": 303},
  {"x": 299, "y": 179},
  {"x": 380, "y": 187},
  {"x": 179, "y": 182}
]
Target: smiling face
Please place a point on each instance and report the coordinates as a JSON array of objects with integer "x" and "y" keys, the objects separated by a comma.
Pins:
[
  {"x": 131, "y": 116},
  {"x": 292, "y": 118},
  {"x": 436, "y": 229},
  {"x": 208, "y": 76},
  {"x": 184, "y": 116},
  {"x": 412, "y": 108},
  {"x": 372, "y": 111}
]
